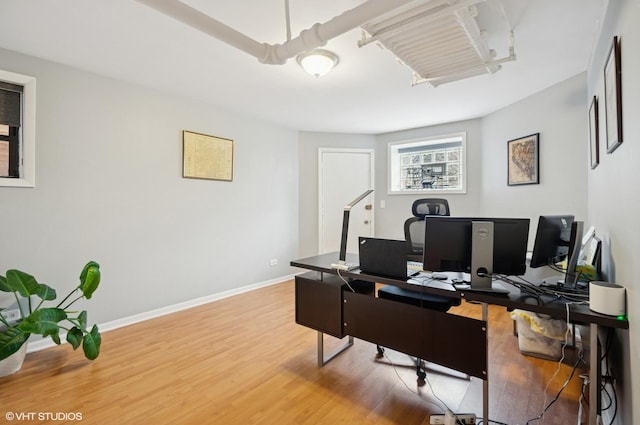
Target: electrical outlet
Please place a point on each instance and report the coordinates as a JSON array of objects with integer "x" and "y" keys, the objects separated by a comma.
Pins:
[
  {"x": 11, "y": 315},
  {"x": 273, "y": 262},
  {"x": 464, "y": 418}
]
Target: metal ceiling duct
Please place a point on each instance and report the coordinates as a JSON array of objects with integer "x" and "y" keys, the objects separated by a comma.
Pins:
[{"x": 438, "y": 39}]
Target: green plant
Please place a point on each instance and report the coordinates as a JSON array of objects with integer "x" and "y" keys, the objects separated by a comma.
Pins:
[{"x": 49, "y": 321}]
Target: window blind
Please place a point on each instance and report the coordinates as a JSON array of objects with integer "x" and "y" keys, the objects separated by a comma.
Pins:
[{"x": 10, "y": 104}]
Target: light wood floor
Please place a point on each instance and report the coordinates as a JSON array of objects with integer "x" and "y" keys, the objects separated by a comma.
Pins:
[{"x": 243, "y": 360}]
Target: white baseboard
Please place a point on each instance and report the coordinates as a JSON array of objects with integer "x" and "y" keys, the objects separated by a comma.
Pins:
[{"x": 163, "y": 311}]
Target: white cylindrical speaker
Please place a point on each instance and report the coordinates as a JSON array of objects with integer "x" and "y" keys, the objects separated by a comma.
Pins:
[{"x": 607, "y": 298}]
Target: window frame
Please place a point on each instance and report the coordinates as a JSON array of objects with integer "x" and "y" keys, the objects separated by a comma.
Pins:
[
  {"x": 393, "y": 164},
  {"x": 27, "y": 131}
]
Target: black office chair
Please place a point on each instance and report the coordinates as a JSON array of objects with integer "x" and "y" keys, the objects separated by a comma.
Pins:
[
  {"x": 414, "y": 234},
  {"x": 418, "y": 299},
  {"x": 414, "y": 226}
]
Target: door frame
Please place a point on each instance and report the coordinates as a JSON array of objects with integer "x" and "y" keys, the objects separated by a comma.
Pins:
[{"x": 321, "y": 151}]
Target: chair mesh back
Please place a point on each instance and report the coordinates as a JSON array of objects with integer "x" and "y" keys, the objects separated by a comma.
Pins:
[
  {"x": 416, "y": 230},
  {"x": 430, "y": 206}
]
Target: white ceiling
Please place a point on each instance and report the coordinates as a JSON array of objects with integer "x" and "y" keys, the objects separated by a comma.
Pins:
[{"x": 368, "y": 92}]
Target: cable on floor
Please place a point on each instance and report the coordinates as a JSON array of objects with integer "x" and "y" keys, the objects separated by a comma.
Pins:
[{"x": 573, "y": 370}]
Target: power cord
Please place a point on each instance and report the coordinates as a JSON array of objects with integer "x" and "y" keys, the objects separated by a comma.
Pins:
[
  {"x": 557, "y": 396},
  {"x": 615, "y": 404},
  {"x": 345, "y": 280},
  {"x": 564, "y": 346},
  {"x": 609, "y": 377},
  {"x": 583, "y": 397},
  {"x": 417, "y": 393},
  {"x": 539, "y": 291},
  {"x": 579, "y": 360},
  {"x": 447, "y": 409},
  {"x": 481, "y": 420}
]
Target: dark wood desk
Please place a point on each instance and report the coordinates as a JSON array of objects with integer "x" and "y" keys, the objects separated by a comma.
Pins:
[{"x": 324, "y": 302}]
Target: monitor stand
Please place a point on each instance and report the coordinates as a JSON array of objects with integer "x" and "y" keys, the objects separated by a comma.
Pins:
[
  {"x": 575, "y": 243},
  {"x": 481, "y": 254},
  {"x": 569, "y": 279},
  {"x": 482, "y": 258}
]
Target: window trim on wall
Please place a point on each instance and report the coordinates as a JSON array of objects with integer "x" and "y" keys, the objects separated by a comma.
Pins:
[
  {"x": 27, "y": 176},
  {"x": 393, "y": 164}
]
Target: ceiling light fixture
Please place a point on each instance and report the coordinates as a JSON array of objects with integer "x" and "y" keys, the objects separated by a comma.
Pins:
[{"x": 317, "y": 62}]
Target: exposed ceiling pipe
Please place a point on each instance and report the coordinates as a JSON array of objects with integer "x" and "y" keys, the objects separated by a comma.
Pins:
[
  {"x": 278, "y": 54},
  {"x": 198, "y": 20},
  {"x": 287, "y": 19}
]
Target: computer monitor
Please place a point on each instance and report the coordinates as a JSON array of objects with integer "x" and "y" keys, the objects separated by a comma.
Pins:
[
  {"x": 501, "y": 247},
  {"x": 558, "y": 238},
  {"x": 553, "y": 235}
]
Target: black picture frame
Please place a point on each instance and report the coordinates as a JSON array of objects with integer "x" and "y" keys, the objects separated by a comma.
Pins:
[
  {"x": 613, "y": 97},
  {"x": 523, "y": 160},
  {"x": 594, "y": 133}
]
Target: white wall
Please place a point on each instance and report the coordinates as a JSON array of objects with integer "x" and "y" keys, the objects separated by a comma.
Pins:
[
  {"x": 109, "y": 188},
  {"x": 613, "y": 204},
  {"x": 559, "y": 114}
]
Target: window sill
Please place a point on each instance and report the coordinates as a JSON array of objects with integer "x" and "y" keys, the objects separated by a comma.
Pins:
[
  {"x": 427, "y": 192},
  {"x": 9, "y": 182}
]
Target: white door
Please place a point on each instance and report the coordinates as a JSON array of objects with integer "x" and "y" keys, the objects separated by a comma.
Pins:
[{"x": 344, "y": 174}]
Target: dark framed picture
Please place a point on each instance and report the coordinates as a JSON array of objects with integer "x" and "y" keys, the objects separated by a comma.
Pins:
[
  {"x": 594, "y": 133},
  {"x": 613, "y": 97},
  {"x": 523, "y": 161}
]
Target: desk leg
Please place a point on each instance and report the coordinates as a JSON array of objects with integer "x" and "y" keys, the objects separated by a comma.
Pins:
[
  {"x": 485, "y": 382},
  {"x": 595, "y": 377},
  {"x": 322, "y": 360}
]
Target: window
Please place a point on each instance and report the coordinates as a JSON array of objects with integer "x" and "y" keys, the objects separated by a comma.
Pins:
[
  {"x": 10, "y": 119},
  {"x": 17, "y": 129},
  {"x": 436, "y": 164}
]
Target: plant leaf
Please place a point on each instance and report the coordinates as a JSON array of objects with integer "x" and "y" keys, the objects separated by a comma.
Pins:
[
  {"x": 43, "y": 321},
  {"x": 23, "y": 283},
  {"x": 3, "y": 285},
  {"x": 74, "y": 337},
  {"x": 46, "y": 292},
  {"x": 55, "y": 335},
  {"x": 82, "y": 319},
  {"x": 90, "y": 279},
  {"x": 91, "y": 343},
  {"x": 11, "y": 340}
]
